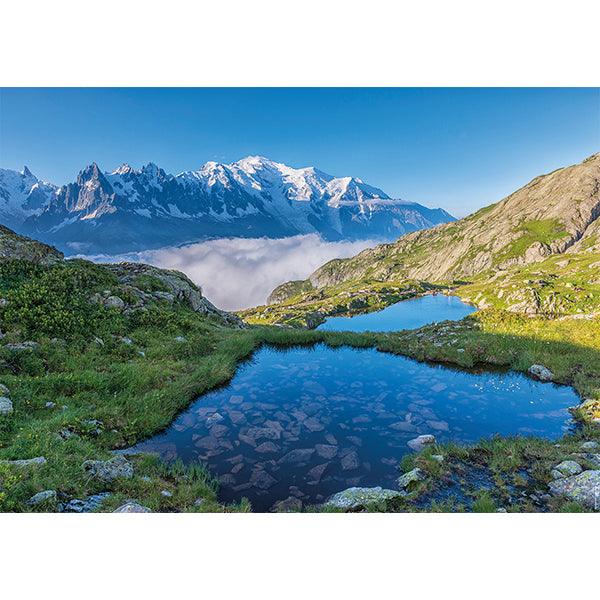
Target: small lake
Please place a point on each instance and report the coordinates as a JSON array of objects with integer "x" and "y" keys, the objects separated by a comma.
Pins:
[
  {"x": 408, "y": 314},
  {"x": 308, "y": 422}
]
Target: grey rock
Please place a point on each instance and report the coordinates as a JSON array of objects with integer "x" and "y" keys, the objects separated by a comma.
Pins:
[
  {"x": 566, "y": 468},
  {"x": 132, "y": 506},
  {"x": 109, "y": 470},
  {"x": 4, "y": 391},
  {"x": 6, "y": 406},
  {"x": 90, "y": 504},
  {"x": 350, "y": 461},
  {"x": 405, "y": 480},
  {"x": 357, "y": 497},
  {"x": 420, "y": 442},
  {"x": 180, "y": 339},
  {"x": 540, "y": 372},
  {"x": 65, "y": 433},
  {"x": 266, "y": 447},
  {"x": 26, "y": 462},
  {"x": 583, "y": 488},
  {"x": 326, "y": 451},
  {"x": 166, "y": 494},
  {"x": 261, "y": 479},
  {"x": 590, "y": 445},
  {"x": 50, "y": 404},
  {"x": 298, "y": 456},
  {"x": 41, "y": 497},
  {"x": 114, "y": 302},
  {"x": 22, "y": 346}
]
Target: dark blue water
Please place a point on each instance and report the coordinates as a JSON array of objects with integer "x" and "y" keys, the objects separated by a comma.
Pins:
[
  {"x": 308, "y": 422},
  {"x": 408, "y": 314}
]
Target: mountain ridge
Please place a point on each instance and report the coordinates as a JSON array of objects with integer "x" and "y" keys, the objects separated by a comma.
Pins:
[{"x": 132, "y": 209}]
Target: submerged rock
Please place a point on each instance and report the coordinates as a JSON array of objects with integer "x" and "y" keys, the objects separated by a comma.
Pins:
[
  {"x": 290, "y": 504},
  {"x": 356, "y": 497},
  {"x": 540, "y": 372},
  {"x": 298, "y": 456},
  {"x": 583, "y": 488}
]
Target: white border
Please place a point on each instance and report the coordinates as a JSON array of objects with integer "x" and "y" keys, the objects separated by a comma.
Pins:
[{"x": 317, "y": 43}]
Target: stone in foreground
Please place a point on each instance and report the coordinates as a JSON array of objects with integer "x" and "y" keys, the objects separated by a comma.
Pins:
[
  {"x": 132, "y": 507},
  {"x": 583, "y": 488},
  {"x": 6, "y": 406},
  {"x": 540, "y": 372},
  {"x": 356, "y": 497},
  {"x": 108, "y": 470}
]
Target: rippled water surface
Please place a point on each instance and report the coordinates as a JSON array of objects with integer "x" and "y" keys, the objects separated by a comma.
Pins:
[
  {"x": 409, "y": 314},
  {"x": 307, "y": 422}
]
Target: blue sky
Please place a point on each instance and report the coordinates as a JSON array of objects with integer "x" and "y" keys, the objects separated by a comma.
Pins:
[{"x": 456, "y": 148}]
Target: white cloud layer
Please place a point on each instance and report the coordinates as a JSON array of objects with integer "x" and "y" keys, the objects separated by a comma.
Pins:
[{"x": 237, "y": 273}]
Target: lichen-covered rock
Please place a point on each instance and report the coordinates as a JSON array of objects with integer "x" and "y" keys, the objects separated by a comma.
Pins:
[
  {"x": 566, "y": 468},
  {"x": 357, "y": 497},
  {"x": 132, "y": 507},
  {"x": 540, "y": 372},
  {"x": 41, "y": 497},
  {"x": 590, "y": 445},
  {"x": 6, "y": 406},
  {"x": 114, "y": 302},
  {"x": 405, "y": 480},
  {"x": 583, "y": 488},
  {"x": 109, "y": 470}
]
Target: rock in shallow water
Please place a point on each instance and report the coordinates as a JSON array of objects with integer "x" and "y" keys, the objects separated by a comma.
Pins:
[
  {"x": 356, "y": 497},
  {"x": 420, "y": 442},
  {"x": 583, "y": 488}
]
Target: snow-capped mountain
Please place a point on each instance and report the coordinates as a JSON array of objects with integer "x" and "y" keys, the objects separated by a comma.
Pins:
[
  {"x": 22, "y": 195},
  {"x": 133, "y": 209}
]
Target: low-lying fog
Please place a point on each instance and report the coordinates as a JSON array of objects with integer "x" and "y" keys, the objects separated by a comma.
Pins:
[{"x": 237, "y": 273}]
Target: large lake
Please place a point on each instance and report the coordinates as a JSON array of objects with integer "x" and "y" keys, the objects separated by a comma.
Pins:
[
  {"x": 308, "y": 422},
  {"x": 409, "y": 314}
]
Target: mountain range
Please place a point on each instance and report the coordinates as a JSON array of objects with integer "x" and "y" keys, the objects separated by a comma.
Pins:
[{"x": 134, "y": 209}]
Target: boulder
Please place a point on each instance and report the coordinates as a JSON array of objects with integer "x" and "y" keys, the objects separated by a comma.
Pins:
[
  {"x": 132, "y": 506},
  {"x": 421, "y": 441},
  {"x": 566, "y": 468},
  {"x": 114, "y": 302},
  {"x": 41, "y": 497},
  {"x": 6, "y": 406},
  {"x": 540, "y": 372},
  {"x": 109, "y": 470},
  {"x": 4, "y": 391},
  {"x": 405, "y": 480},
  {"x": 590, "y": 445},
  {"x": 583, "y": 488},
  {"x": 357, "y": 497}
]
